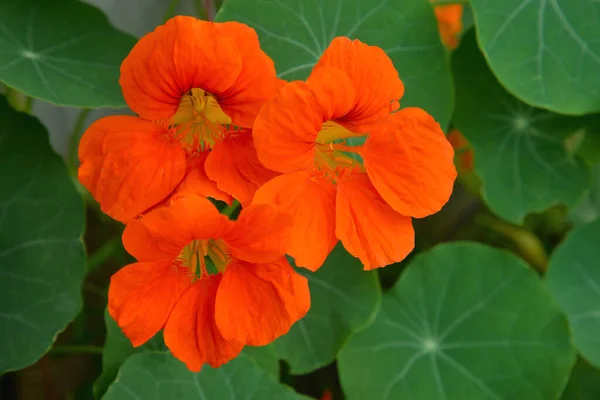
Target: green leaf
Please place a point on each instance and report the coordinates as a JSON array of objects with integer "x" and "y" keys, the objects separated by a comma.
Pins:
[
  {"x": 584, "y": 383},
  {"x": 588, "y": 210},
  {"x": 546, "y": 52},
  {"x": 296, "y": 32},
  {"x": 42, "y": 261},
  {"x": 266, "y": 358},
  {"x": 68, "y": 55},
  {"x": 573, "y": 278},
  {"x": 519, "y": 150},
  {"x": 344, "y": 300},
  {"x": 465, "y": 321},
  {"x": 159, "y": 376},
  {"x": 117, "y": 349}
]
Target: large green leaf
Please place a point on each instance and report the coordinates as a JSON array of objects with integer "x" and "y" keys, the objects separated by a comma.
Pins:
[
  {"x": 68, "y": 55},
  {"x": 465, "y": 321},
  {"x": 519, "y": 150},
  {"x": 295, "y": 33},
  {"x": 574, "y": 279},
  {"x": 42, "y": 262},
  {"x": 584, "y": 383},
  {"x": 546, "y": 52},
  {"x": 344, "y": 300},
  {"x": 159, "y": 376},
  {"x": 588, "y": 210}
]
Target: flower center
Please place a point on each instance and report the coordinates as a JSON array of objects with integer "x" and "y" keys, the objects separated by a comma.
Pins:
[
  {"x": 334, "y": 157},
  {"x": 204, "y": 257},
  {"x": 200, "y": 121}
]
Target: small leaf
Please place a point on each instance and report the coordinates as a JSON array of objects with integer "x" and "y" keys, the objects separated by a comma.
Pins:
[
  {"x": 344, "y": 300},
  {"x": 465, "y": 321},
  {"x": 42, "y": 261},
  {"x": 296, "y": 32},
  {"x": 68, "y": 55},
  {"x": 546, "y": 52},
  {"x": 162, "y": 377},
  {"x": 519, "y": 150},
  {"x": 573, "y": 278}
]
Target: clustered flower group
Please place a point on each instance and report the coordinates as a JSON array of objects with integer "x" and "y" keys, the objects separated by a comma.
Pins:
[{"x": 313, "y": 162}]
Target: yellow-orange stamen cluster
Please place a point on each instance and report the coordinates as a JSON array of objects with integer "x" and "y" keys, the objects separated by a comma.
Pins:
[
  {"x": 332, "y": 156},
  {"x": 204, "y": 257}
]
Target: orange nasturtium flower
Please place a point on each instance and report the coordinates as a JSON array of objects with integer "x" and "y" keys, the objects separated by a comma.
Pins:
[
  {"x": 449, "y": 19},
  {"x": 213, "y": 284},
  {"x": 364, "y": 195},
  {"x": 197, "y": 87}
]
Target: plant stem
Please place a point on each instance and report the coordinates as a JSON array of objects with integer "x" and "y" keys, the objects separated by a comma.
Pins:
[
  {"x": 170, "y": 10},
  {"x": 229, "y": 211},
  {"x": 74, "y": 139},
  {"x": 102, "y": 254},
  {"x": 76, "y": 349}
]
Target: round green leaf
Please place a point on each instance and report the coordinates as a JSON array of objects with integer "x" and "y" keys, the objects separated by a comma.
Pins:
[
  {"x": 68, "y": 55},
  {"x": 296, "y": 32},
  {"x": 574, "y": 279},
  {"x": 42, "y": 261},
  {"x": 159, "y": 376},
  {"x": 584, "y": 383},
  {"x": 519, "y": 150},
  {"x": 344, "y": 300},
  {"x": 465, "y": 321},
  {"x": 546, "y": 52}
]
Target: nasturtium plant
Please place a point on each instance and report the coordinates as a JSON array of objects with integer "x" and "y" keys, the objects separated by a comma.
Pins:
[
  {"x": 68, "y": 55},
  {"x": 42, "y": 261}
]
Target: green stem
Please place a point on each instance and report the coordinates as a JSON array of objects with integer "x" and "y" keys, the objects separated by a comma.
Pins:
[
  {"x": 200, "y": 9},
  {"x": 170, "y": 10},
  {"x": 448, "y": 2},
  {"x": 28, "y": 104},
  {"x": 102, "y": 254},
  {"x": 74, "y": 139},
  {"x": 230, "y": 210},
  {"x": 76, "y": 349}
]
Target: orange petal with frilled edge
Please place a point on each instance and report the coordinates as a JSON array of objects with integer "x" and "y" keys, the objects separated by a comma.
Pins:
[
  {"x": 333, "y": 91},
  {"x": 286, "y": 129},
  {"x": 182, "y": 54},
  {"x": 196, "y": 180},
  {"x": 129, "y": 165},
  {"x": 410, "y": 162},
  {"x": 166, "y": 230},
  {"x": 310, "y": 201},
  {"x": 368, "y": 227},
  {"x": 449, "y": 19},
  {"x": 142, "y": 295},
  {"x": 257, "y": 81},
  {"x": 260, "y": 234},
  {"x": 257, "y": 303},
  {"x": 233, "y": 164},
  {"x": 191, "y": 332},
  {"x": 376, "y": 82}
]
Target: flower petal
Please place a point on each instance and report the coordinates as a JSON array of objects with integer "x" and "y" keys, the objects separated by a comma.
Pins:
[
  {"x": 410, "y": 162},
  {"x": 368, "y": 227},
  {"x": 164, "y": 231},
  {"x": 233, "y": 164},
  {"x": 449, "y": 19},
  {"x": 257, "y": 303},
  {"x": 286, "y": 129},
  {"x": 182, "y": 54},
  {"x": 333, "y": 91},
  {"x": 260, "y": 234},
  {"x": 191, "y": 333},
  {"x": 142, "y": 295},
  {"x": 197, "y": 182},
  {"x": 129, "y": 165},
  {"x": 375, "y": 81},
  {"x": 310, "y": 201}
]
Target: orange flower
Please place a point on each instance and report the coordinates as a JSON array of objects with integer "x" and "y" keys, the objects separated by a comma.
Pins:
[
  {"x": 197, "y": 86},
  {"x": 449, "y": 19},
  {"x": 213, "y": 284},
  {"x": 311, "y": 132},
  {"x": 463, "y": 149}
]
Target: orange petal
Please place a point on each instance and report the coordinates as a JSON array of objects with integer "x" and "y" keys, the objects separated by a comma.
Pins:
[
  {"x": 375, "y": 80},
  {"x": 197, "y": 182},
  {"x": 164, "y": 231},
  {"x": 410, "y": 162},
  {"x": 256, "y": 82},
  {"x": 257, "y": 303},
  {"x": 462, "y": 150},
  {"x": 182, "y": 54},
  {"x": 368, "y": 227},
  {"x": 310, "y": 201},
  {"x": 142, "y": 295},
  {"x": 191, "y": 333},
  {"x": 260, "y": 234},
  {"x": 129, "y": 165},
  {"x": 233, "y": 164},
  {"x": 449, "y": 19},
  {"x": 333, "y": 91},
  {"x": 286, "y": 129}
]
